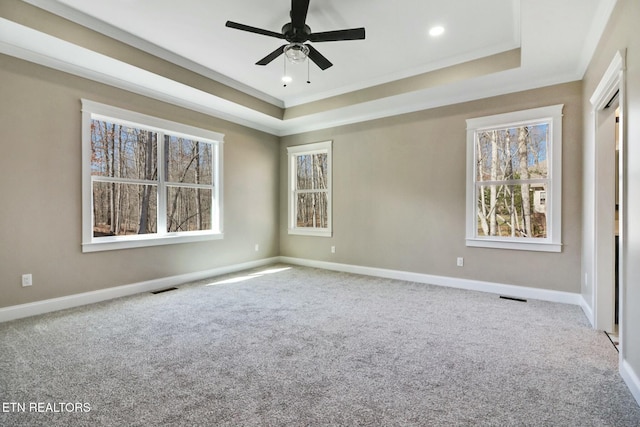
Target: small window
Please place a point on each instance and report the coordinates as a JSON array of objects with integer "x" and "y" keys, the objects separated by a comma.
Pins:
[
  {"x": 147, "y": 181},
  {"x": 310, "y": 189},
  {"x": 514, "y": 180},
  {"x": 540, "y": 200}
]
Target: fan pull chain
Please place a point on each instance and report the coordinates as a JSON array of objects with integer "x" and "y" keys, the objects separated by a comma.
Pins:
[
  {"x": 308, "y": 72},
  {"x": 285, "y": 69}
]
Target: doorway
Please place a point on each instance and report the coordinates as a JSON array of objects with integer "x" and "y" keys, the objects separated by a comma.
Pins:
[
  {"x": 614, "y": 120},
  {"x": 608, "y": 202}
]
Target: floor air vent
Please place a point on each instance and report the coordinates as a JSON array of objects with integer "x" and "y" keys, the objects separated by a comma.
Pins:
[
  {"x": 163, "y": 290},
  {"x": 513, "y": 298}
]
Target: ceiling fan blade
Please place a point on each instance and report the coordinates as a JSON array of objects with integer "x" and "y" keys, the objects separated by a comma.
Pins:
[
  {"x": 338, "y": 35},
  {"x": 299, "y": 9},
  {"x": 318, "y": 59},
  {"x": 273, "y": 55},
  {"x": 250, "y": 29}
]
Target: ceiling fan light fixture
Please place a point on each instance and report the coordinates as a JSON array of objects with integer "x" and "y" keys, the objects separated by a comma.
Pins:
[{"x": 296, "y": 52}]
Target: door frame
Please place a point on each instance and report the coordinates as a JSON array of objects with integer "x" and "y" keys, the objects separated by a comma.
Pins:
[{"x": 612, "y": 83}]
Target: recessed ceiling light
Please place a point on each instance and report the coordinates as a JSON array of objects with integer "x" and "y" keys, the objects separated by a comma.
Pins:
[{"x": 436, "y": 31}]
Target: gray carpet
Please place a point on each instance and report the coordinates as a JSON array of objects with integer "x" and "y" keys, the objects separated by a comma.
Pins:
[{"x": 307, "y": 347}]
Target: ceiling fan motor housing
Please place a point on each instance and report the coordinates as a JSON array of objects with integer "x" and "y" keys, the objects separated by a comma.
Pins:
[{"x": 295, "y": 35}]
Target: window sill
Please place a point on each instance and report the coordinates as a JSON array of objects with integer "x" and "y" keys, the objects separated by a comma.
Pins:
[
  {"x": 310, "y": 232},
  {"x": 128, "y": 242},
  {"x": 516, "y": 245}
]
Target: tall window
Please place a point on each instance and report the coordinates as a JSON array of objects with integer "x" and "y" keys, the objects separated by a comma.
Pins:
[
  {"x": 147, "y": 181},
  {"x": 514, "y": 163},
  {"x": 310, "y": 189}
]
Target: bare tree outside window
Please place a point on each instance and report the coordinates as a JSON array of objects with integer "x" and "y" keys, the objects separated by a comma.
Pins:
[
  {"x": 124, "y": 164},
  {"x": 511, "y": 175},
  {"x": 310, "y": 189},
  {"x": 189, "y": 184},
  {"x": 148, "y": 181},
  {"x": 311, "y": 176},
  {"x": 514, "y": 180},
  {"x": 125, "y": 183}
]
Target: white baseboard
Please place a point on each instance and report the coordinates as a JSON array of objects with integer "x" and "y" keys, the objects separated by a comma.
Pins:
[
  {"x": 452, "y": 282},
  {"x": 588, "y": 312},
  {"x": 54, "y": 304},
  {"x": 631, "y": 379}
]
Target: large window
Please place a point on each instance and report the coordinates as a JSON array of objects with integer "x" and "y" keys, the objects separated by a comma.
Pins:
[
  {"x": 310, "y": 189},
  {"x": 147, "y": 181},
  {"x": 514, "y": 163}
]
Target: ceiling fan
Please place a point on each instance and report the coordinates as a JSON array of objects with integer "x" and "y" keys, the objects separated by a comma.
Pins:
[{"x": 297, "y": 33}]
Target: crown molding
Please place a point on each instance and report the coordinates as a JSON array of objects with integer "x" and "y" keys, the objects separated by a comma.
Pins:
[
  {"x": 108, "y": 30},
  {"x": 43, "y": 49}
]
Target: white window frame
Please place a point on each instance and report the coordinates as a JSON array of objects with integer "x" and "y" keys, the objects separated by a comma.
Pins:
[
  {"x": 94, "y": 110},
  {"x": 292, "y": 153},
  {"x": 551, "y": 115}
]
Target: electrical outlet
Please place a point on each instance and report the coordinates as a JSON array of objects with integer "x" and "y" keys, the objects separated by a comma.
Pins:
[
  {"x": 257, "y": 247},
  {"x": 460, "y": 261},
  {"x": 27, "y": 280},
  {"x": 333, "y": 249}
]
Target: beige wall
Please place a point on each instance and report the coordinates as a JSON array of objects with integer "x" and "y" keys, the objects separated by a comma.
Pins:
[
  {"x": 622, "y": 33},
  {"x": 40, "y": 188},
  {"x": 399, "y": 196}
]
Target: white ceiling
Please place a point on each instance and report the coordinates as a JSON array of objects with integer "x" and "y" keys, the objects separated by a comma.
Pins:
[
  {"x": 557, "y": 38},
  {"x": 397, "y": 43}
]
